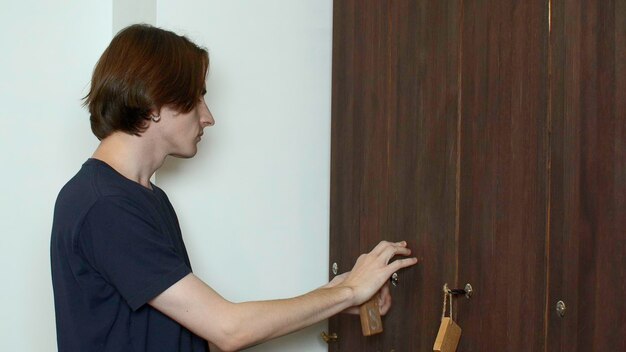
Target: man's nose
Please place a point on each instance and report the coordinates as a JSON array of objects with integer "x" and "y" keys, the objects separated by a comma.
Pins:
[{"x": 207, "y": 117}]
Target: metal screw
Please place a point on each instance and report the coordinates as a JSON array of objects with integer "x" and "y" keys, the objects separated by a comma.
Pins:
[
  {"x": 394, "y": 279},
  {"x": 560, "y": 308}
]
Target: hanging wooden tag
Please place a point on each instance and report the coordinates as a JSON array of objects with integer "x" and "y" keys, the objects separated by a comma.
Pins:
[
  {"x": 371, "y": 323},
  {"x": 449, "y": 332},
  {"x": 448, "y": 336}
]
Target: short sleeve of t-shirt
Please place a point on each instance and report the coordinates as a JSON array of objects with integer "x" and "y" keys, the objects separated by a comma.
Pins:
[{"x": 127, "y": 248}]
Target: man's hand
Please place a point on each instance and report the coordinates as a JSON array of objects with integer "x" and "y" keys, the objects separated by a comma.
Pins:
[
  {"x": 384, "y": 301},
  {"x": 371, "y": 271}
]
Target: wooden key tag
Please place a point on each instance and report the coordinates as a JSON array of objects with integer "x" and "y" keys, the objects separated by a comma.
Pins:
[
  {"x": 448, "y": 336},
  {"x": 449, "y": 332},
  {"x": 371, "y": 323}
]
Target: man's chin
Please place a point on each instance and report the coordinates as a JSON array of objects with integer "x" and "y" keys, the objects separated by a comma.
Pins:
[{"x": 185, "y": 155}]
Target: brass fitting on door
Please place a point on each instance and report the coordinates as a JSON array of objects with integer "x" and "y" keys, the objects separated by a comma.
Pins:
[{"x": 328, "y": 338}]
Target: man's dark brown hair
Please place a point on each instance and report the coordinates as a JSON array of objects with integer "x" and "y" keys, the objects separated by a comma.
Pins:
[{"x": 143, "y": 69}]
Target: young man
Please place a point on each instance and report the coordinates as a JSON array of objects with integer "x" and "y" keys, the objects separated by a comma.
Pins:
[{"x": 121, "y": 275}]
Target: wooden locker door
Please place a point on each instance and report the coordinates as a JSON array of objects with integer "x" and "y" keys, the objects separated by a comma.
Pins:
[
  {"x": 359, "y": 134},
  {"x": 503, "y": 175},
  {"x": 394, "y": 156},
  {"x": 588, "y": 184}
]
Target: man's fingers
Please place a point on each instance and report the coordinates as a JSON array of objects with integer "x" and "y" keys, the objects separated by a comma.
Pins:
[
  {"x": 391, "y": 252},
  {"x": 380, "y": 247},
  {"x": 384, "y": 301},
  {"x": 401, "y": 263},
  {"x": 383, "y": 245},
  {"x": 384, "y": 308}
]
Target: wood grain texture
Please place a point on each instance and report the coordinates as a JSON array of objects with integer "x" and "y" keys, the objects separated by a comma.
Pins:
[
  {"x": 503, "y": 209},
  {"x": 355, "y": 111},
  {"x": 423, "y": 163},
  {"x": 497, "y": 147},
  {"x": 588, "y": 177},
  {"x": 394, "y": 156}
]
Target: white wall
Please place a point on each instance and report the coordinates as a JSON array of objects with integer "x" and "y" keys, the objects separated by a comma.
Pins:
[
  {"x": 127, "y": 12},
  {"x": 254, "y": 202},
  {"x": 48, "y": 50}
]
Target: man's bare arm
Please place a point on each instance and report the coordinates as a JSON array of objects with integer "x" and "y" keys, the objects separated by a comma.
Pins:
[{"x": 233, "y": 326}]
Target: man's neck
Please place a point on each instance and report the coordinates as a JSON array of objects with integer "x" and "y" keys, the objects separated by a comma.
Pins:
[{"x": 135, "y": 158}]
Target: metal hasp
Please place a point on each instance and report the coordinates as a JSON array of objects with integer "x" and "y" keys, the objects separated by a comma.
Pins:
[
  {"x": 467, "y": 291},
  {"x": 328, "y": 338},
  {"x": 560, "y": 308}
]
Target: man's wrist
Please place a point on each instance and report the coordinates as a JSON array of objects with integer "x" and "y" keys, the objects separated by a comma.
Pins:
[{"x": 346, "y": 294}]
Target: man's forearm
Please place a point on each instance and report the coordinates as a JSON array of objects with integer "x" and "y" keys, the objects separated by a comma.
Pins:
[
  {"x": 233, "y": 326},
  {"x": 254, "y": 322}
]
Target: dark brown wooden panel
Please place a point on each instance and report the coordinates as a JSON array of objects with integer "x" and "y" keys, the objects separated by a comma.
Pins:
[
  {"x": 423, "y": 163},
  {"x": 503, "y": 210},
  {"x": 394, "y": 159},
  {"x": 588, "y": 177},
  {"x": 358, "y": 181}
]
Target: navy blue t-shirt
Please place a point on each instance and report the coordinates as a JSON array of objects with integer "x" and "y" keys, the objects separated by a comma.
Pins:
[{"x": 115, "y": 246}]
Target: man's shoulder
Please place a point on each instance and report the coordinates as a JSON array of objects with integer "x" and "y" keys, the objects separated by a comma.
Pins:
[
  {"x": 97, "y": 179},
  {"x": 77, "y": 192},
  {"x": 91, "y": 184}
]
